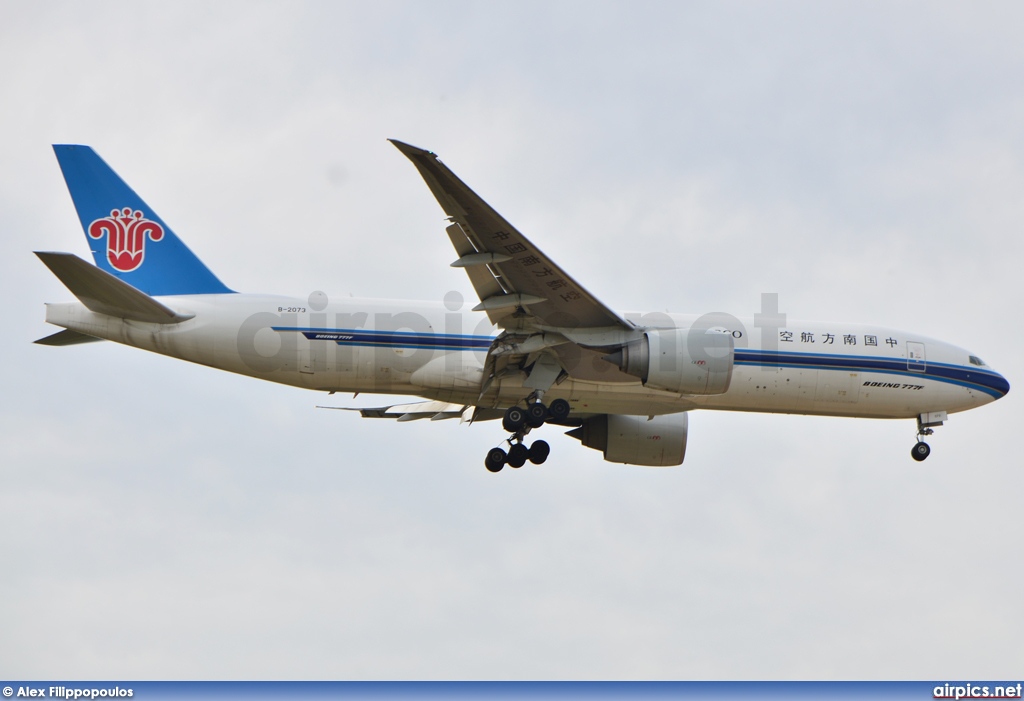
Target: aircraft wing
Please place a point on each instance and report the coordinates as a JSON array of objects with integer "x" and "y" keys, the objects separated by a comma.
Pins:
[{"x": 518, "y": 285}]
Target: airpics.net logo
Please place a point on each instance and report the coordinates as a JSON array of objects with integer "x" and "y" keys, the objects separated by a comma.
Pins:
[
  {"x": 64, "y": 692},
  {"x": 977, "y": 691},
  {"x": 265, "y": 345}
]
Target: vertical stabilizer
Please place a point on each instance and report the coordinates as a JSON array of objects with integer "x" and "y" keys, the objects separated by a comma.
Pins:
[{"x": 127, "y": 238}]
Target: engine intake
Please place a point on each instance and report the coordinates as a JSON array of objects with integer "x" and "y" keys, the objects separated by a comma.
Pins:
[{"x": 688, "y": 361}]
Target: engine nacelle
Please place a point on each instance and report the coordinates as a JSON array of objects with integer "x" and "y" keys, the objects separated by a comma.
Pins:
[
  {"x": 688, "y": 361},
  {"x": 636, "y": 440}
]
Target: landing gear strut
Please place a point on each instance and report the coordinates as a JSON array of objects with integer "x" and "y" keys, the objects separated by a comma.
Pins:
[{"x": 519, "y": 422}]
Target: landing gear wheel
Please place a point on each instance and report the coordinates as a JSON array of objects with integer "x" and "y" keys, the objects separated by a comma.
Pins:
[
  {"x": 559, "y": 410},
  {"x": 539, "y": 452},
  {"x": 495, "y": 460},
  {"x": 920, "y": 451},
  {"x": 514, "y": 419},
  {"x": 536, "y": 413},
  {"x": 517, "y": 455}
]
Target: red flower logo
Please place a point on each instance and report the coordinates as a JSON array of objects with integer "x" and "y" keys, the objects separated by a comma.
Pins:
[{"x": 126, "y": 233}]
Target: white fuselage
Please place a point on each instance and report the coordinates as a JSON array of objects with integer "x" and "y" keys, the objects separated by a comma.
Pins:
[{"x": 425, "y": 349}]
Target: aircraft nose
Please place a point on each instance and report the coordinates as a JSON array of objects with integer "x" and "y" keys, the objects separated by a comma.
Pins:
[
  {"x": 988, "y": 385},
  {"x": 994, "y": 385},
  {"x": 1002, "y": 385}
]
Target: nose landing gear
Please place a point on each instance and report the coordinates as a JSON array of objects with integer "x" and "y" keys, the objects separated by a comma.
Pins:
[
  {"x": 519, "y": 422},
  {"x": 925, "y": 424}
]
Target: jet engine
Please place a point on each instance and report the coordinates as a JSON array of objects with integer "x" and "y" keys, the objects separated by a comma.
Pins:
[
  {"x": 688, "y": 361},
  {"x": 659, "y": 441}
]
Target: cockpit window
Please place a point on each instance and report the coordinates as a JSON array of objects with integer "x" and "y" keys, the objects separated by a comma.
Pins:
[{"x": 975, "y": 360}]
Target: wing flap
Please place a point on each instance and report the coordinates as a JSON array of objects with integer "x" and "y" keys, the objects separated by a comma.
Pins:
[
  {"x": 407, "y": 412},
  {"x": 435, "y": 411}
]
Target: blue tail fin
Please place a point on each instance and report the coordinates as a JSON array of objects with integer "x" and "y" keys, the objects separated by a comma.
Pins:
[{"x": 128, "y": 239}]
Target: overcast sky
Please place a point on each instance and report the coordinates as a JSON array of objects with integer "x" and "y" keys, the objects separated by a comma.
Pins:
[{"x": 863, "y": 160}]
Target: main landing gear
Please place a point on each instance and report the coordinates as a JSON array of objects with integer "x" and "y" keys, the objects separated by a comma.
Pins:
[
  {"x": 517, "y": 455},
  {"x": 519, "y": 422}
]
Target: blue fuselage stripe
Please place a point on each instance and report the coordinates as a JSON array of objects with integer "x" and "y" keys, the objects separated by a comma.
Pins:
[
  {"x": 395, "y": 339},
  {"x": 978, "y": 379},
  {"x": 990, "y": 383}
]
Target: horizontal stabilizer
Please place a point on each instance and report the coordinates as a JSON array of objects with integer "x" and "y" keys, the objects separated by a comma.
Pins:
[
  {"x": 103, "y": 293},
  {"x": 67, "y": 337}
]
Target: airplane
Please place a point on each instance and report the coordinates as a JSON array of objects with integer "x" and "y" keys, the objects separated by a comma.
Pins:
[{"x": 538, "y": 348}]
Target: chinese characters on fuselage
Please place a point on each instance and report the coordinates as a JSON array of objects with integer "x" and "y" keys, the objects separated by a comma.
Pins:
[{"x": 830, "y": 339}]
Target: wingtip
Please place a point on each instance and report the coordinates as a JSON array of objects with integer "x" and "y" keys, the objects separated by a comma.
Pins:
[
  {"x": 52, "y": 255},
  {"x": 410, "y": 150}
]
